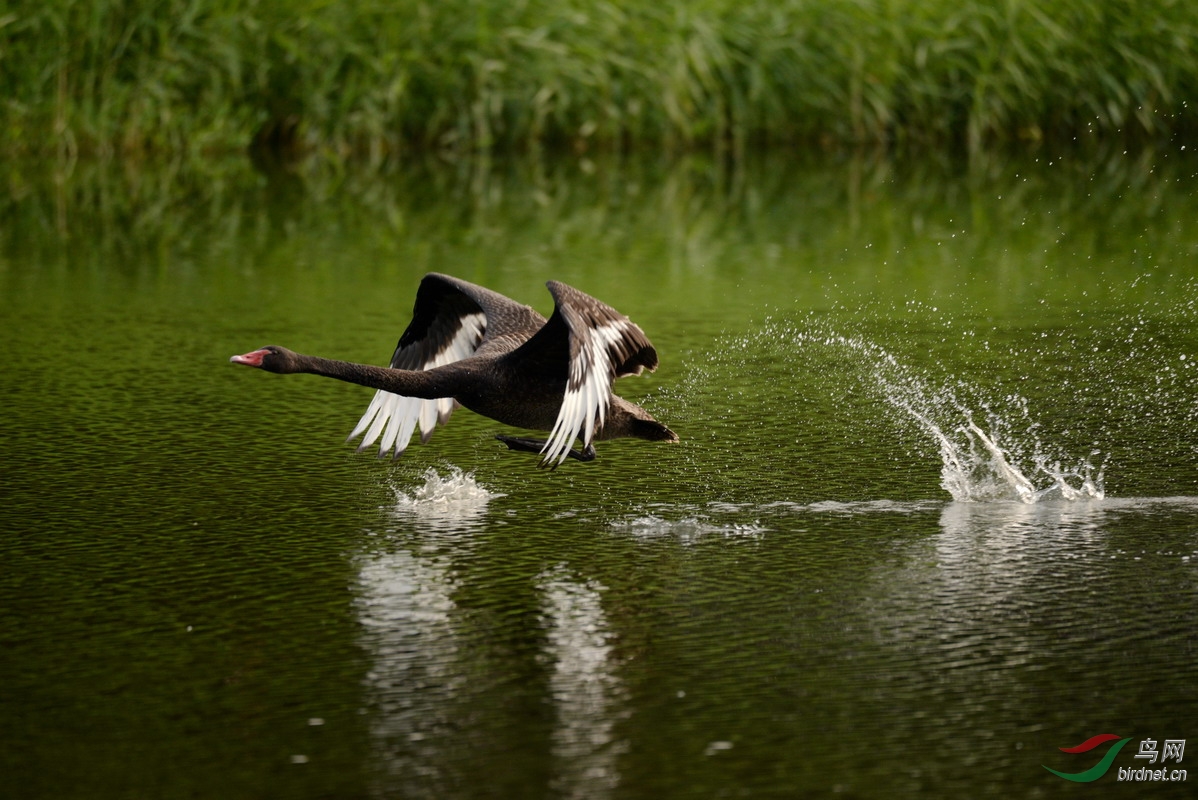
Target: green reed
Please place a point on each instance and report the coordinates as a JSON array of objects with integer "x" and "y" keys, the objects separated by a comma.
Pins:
[{"x": 381, "y": 76}]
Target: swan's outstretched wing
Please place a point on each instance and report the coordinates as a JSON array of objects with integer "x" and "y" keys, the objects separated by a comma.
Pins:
[
  {"x": 603, "y": 345},
  {"x": 451, "y": 320}
]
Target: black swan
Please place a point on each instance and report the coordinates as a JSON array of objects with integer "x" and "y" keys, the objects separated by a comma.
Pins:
[{"x": 470, "y": 346}]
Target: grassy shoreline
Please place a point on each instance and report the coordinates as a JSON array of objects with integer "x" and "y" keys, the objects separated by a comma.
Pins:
[{"x": 379, "y": 77}]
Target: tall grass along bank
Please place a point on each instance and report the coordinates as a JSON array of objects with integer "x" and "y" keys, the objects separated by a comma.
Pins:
[{"x": 379, "y": 76}]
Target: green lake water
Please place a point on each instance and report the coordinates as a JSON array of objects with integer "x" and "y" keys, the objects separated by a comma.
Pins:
[{"x": 933, "y": 515}]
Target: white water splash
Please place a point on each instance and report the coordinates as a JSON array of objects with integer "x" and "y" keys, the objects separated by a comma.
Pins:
[
  {"x": 690, "y": 527},
  {"x": 451, "y": 500},
  {"x": 980, "y": 470},
  {"x": 976, "y": 465},
  {"x": 689, "y": 524}
]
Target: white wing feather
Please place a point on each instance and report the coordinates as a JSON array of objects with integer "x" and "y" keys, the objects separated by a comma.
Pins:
[
  {"x": 395, "y": 417},
  {"x": 588, "y": 392}
]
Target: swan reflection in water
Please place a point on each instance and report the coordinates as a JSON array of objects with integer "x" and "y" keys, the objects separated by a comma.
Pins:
[{"x": 447, "y": 703}]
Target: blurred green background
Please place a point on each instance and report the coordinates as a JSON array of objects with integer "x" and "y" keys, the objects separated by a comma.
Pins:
[{"x": 375, "y": 77}]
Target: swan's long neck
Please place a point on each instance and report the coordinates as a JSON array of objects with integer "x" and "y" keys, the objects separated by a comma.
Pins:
[{"x": 429, "y": 385}]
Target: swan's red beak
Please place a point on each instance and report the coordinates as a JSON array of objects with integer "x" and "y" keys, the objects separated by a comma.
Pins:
[{"x": 253, "y": 359}]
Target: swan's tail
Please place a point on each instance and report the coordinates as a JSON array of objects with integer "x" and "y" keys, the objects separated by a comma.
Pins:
[{"x": 652, "y": 430}]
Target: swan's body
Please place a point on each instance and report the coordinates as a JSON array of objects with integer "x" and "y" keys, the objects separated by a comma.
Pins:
[{"x": 471, "y": 346}]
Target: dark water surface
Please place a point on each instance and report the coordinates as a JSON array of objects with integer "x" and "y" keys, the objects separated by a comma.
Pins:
[{"x": 933, "y": 517}]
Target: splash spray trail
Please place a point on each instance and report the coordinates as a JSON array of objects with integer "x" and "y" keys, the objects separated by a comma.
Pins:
[{"x": 976, "y": 466}]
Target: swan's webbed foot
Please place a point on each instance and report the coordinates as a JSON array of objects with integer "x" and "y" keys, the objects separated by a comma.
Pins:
[{"x": 526, "y": 445}]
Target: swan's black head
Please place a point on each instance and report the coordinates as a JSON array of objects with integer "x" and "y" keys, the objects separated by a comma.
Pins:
[{"x": 271, "y": 358}]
